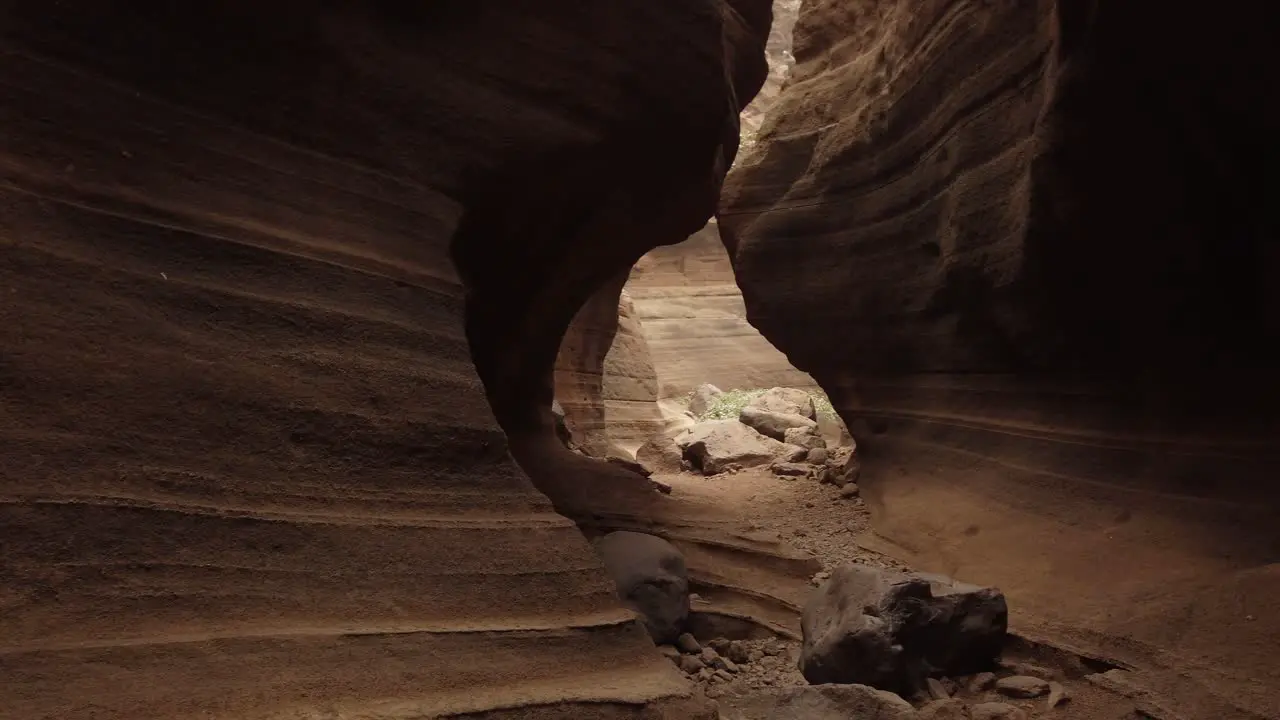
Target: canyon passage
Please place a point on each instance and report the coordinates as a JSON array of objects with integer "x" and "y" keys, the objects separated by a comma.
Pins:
[{"x": 705, "y": 359}]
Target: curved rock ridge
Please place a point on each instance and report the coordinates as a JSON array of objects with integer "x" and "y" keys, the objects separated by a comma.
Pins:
[
  {"x": 694, "y": 320},
  {"x": 1024, "y": 247},
  {"x": 252, "y": 258}
]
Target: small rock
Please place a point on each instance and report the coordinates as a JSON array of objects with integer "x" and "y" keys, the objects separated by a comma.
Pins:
[
  {"x": 670, "y": 653},
  {"x": 996, "y": 711},
  {"x": 1022, "y": 686},
  {"x": 773, "y": 649},
  {"x": 721, "y": 645},
  {"x": 755, "y": 656},
  {"x": 715, "y": 692},
  {"x": 1057, "y": 695},
  {"x": 1022, "y": 668},
  {"x": 662, "y": 487},
  {"x": 709, "y": 656},
  {"x": 706, "y": 674},
  {"x": 688, "y": 644},
  {"x": 724, "y": 663},
  {"x": 810, "y": 504},
  {"x": 702, "y": 398},
  {"x": 738, "y": 652},
  {"x": 691, "y": 664},
  {"x": 790, "y": 469},
  {"x": 850, "y": 491},
  {"x": 817, "y": 456},
  {"x": 948, "y": 709},
  {"x": 724, "y": 676},
  {"x": 937, "y": 690},
  {"x": 951, "y": 686},
  {"x": 981, "y": 682}
]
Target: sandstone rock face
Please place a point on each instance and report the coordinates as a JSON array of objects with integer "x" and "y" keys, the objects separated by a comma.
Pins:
[
  {"x": 276, "y": 277},
  {"x": 695, "y": 321},
  {"x": 651, "y": 578},
  {"x": 1038, "y": 280},
  {"x": 890, "y": 629},
  {"x": 780, "y": 58},
  {"x": 605, "y": 378}
]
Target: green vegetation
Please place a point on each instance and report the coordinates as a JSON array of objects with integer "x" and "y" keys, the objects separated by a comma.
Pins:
[{"x": 730, "y": 403}]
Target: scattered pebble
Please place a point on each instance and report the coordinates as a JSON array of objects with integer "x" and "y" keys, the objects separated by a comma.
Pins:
[
  {"x": 981, "y": 682},
  {"x": 850, "y": 491},
  {"x": 1022, "y": 686},
  {"x": 1057, "y": 695},
  {"x": 688, "y": 644},
  {"x": 936, "y": 689}
]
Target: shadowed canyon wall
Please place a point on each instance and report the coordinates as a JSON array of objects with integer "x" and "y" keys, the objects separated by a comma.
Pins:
[
  {"x": 1029, "y": 250},
  {"x": 275, "y": 278}
]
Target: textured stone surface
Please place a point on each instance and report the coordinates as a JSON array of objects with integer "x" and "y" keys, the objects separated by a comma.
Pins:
[
  {"x": 774, "y": 424},
  {"x": 604, "y": 377},
  {"x": 651, "y": 578},
  {"x": 717, "y": 445},
  {"x": 820, "y": 702},
  {"x": 1027, "y": 251},
  {"x": 891, "y": 630},
  {"x": 262, "y": 265},
  {"x": 789, "y": 401}
]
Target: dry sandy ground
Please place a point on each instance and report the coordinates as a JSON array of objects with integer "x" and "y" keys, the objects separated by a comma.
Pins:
[{"x": 826, "y": 522}]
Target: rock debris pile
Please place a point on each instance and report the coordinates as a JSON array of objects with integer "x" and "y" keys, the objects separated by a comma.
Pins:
[{"x": 781, "y": 429}]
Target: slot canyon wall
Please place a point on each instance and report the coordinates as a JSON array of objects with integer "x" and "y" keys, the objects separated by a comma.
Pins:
[
  {"x": 633, "y": 352},
  {"x": 1029, "y": 250},
  {"x": 694, "y": 319},
  {"x": 276, "y": 278}
]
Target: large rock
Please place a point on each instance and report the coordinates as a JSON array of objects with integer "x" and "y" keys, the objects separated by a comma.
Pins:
[
  {"x": 716, "y": 445},
  {"x": 702, "y": 398},
  {"x": 696, "y": 324},
  {"x": 774, "y": 424},
  {"x": 818, "y": 702},
  {"x": 806, "y": 437},
  {"x": 788, "y": 401},
  {"x": 891, "y": 630},
  {"x": 651, "y": 578}
]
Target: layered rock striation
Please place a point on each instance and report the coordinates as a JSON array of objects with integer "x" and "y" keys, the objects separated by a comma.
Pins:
[
  {"x": 276, "y": 278},
  {"x": 1026, "y": 250}
]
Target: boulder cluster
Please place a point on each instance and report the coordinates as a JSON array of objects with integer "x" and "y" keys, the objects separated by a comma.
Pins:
[{"x": 780, "y": 428}]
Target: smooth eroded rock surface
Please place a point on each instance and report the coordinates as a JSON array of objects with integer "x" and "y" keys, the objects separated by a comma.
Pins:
[
  {"x": 276, "y": 278},
  {"x": 651, "y": 578},
  {"x": 1027, "y": 249},
  {"x": 716, "y": 445}
]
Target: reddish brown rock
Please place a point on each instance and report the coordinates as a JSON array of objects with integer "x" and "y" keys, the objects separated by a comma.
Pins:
[{"x": 283, "y": 286}]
